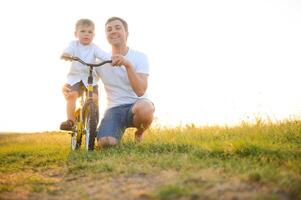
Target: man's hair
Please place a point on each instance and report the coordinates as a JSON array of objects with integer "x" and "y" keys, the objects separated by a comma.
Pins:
[
  {"x": 84, "y": 22},
  {"x": 124, "y": 23}
]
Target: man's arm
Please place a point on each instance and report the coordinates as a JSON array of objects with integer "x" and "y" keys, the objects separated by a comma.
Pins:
[{"x": 138, "y": 81}]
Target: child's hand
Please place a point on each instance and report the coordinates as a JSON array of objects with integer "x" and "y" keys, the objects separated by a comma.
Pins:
[{"x": 66, "y": 56}]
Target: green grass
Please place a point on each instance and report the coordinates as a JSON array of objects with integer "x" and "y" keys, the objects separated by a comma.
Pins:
[{"x": 249, "y": 161}]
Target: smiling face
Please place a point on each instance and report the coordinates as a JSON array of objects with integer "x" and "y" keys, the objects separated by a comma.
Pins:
[
  {"x": 116, "y": 33},
  {"x": 85, "y": 34}
]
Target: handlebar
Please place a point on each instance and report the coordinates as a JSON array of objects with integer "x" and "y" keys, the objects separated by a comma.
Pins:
[{"x": 84, "y": 63}]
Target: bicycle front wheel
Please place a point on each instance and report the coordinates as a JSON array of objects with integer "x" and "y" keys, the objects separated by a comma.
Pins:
[
  {"x": 90, "y": 124},
  {"x": 77, "y": 132}
]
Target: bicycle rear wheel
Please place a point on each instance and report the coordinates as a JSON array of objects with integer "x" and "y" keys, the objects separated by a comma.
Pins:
[{"x": 90, "y": 124}]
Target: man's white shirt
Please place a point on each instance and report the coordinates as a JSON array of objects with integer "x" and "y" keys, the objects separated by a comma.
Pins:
[{"x": 116, "y": 82}]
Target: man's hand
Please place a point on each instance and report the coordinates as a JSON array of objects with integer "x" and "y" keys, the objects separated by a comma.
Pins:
[
  {"x": 66, "y": 90},
  {"x": 119, "y": 60}
]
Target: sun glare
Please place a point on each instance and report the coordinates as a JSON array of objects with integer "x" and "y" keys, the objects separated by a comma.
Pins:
[{"x": 212, "y": 62}]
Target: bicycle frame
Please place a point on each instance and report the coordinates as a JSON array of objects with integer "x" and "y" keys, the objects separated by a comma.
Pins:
[{"x": 87, "y": 113}]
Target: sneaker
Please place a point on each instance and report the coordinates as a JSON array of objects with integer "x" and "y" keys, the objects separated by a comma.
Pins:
[{"x": 67, "y": 125}]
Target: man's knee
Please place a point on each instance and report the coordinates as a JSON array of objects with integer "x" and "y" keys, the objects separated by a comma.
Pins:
[
  {"x": 107, "y": 141},
  {"x": 143, "y": 113},
  {"x": 144, "y": 108}
]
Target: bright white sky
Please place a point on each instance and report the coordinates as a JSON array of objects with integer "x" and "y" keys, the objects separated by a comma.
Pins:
[{"x": 212, "y": 62}]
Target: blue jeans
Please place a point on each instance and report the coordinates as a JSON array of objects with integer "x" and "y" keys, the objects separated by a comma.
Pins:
[{"x": 115, "y": 121}]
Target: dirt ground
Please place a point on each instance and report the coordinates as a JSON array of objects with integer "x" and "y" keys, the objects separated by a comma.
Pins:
[{"x": 212, "y": 184}]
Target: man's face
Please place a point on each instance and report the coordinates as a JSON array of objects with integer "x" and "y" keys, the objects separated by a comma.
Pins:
[
  {"x": 116, "y": 33},
  {"x": 85, "y": 34}
]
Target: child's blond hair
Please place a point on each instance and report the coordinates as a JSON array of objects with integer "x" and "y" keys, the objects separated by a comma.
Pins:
[{"x": 84, "y": 22}]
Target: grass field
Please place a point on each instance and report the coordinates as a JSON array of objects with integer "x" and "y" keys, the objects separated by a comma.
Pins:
[{"x": 249, "y": 161}]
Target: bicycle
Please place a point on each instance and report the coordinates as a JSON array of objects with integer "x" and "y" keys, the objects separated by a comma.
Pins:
[{"x": 86, "y": 115}]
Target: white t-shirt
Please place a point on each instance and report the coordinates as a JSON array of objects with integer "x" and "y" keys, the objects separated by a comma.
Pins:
[
  {"x": 116, "y": 82},
  {"x": 88, "y": 53}
]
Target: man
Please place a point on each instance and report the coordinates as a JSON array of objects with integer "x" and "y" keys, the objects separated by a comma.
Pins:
[{"x": 125, "y": 82}]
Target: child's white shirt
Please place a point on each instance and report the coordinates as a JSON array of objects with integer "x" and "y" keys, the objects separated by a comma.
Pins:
[{"x": 88, "y": 53}]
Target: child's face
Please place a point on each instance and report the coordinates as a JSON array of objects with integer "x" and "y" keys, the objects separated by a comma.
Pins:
[{"x": 85, "y": 34}]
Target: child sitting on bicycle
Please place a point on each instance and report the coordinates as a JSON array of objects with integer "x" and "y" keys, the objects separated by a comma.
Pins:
[{"x": 77, "y": 78}]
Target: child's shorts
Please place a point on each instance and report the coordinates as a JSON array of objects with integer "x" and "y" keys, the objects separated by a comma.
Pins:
[{"x": 80, "y": 88}]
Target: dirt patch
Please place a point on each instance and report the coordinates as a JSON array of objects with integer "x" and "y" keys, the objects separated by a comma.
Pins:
[
  {"x": 17, "y": 194},
  {"x": 102, "y": 186},
  {"x": 21, "y": 185},
  {"x": 207, "y": 184}
]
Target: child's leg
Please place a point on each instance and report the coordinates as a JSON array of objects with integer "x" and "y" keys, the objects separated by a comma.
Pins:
[
  {"x": 70, "y": 97},
  {"x": 71, "y": 104}
]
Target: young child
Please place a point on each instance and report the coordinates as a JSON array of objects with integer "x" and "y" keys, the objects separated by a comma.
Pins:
[{"x": 78, "y": 74}]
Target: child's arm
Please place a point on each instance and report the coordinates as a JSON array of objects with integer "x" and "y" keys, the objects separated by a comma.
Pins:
[
  {"x": 69, "y": 51},
  {"x": 102, "y": 55}
]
